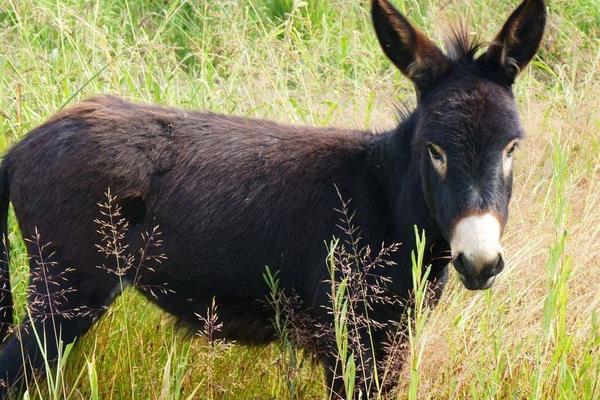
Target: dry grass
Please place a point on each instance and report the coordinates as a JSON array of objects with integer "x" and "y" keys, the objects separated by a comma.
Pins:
[{"x": 321, "y": 65}]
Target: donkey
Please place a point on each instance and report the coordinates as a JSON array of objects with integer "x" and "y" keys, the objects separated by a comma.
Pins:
[{"x": 232, "y": 195}]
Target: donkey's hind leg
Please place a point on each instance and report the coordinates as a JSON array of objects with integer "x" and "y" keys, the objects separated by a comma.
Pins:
[
  {"x": 57, "y": 313},
  {"x": 25, "y": 353}
]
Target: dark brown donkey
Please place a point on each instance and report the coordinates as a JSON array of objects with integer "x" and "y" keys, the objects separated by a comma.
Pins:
[{"x": 233, "y": 195}]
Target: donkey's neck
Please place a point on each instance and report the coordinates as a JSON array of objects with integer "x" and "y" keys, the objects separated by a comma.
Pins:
[
  {"x": 398, "y": 170},
  {"x": 400, "y": 177}
]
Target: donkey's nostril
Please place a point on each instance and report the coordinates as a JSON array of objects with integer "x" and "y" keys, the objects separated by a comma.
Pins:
[
  {"x": 474, "y": 267},
  {"x": 499, "y": 265},
  {"x": 462, "y": 265},
  {"x": 493, "y": 268}
]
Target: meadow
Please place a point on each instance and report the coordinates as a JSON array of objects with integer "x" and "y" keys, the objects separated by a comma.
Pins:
[{"x": 534, "y": 335}]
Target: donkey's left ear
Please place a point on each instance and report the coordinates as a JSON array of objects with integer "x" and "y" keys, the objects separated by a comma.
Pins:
[
  {"x": 519, "y": 39},
  {"x": 411, "y": 51}
]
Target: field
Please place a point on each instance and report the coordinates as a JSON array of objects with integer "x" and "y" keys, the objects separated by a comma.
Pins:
[{"x": 534, "y": 335}]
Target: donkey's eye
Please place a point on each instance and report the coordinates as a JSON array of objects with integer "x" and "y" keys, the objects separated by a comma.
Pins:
[
  {"x": 507, "y": 161},
  {"x": 434, "y": 153},
  {"x": 438, "y": 159},
  {"x": 510, "y": 149}
]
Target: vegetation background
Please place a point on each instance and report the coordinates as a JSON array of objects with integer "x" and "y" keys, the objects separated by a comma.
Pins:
[{"x": 534, "y": 335}]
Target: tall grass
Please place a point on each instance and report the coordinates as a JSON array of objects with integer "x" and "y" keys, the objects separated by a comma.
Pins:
[
  {"x": 534, "y": 335},
  {"x": 418, "y": 314}
]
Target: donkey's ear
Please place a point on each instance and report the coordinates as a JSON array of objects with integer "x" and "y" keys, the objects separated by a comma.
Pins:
[
  {"x": 519, "y": 39},
  {"x": 410, "y": 50}
]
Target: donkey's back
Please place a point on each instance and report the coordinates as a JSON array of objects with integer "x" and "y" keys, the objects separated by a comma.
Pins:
[{"x": 229, "y": 196}]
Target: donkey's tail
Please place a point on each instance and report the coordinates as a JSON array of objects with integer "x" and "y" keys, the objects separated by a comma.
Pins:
[{"x": 6, "y": 302}]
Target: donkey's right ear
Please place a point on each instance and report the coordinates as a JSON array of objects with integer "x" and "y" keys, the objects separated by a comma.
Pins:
[
  {"x": 519, "y": 39},
  {"x": 410, "y": 50}
]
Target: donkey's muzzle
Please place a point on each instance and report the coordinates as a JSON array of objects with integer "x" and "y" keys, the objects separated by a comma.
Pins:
[
  {"x": 476, "y": 249},
  {"x": 475, "y": 276}
]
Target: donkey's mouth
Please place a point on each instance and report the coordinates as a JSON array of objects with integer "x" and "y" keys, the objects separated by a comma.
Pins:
[{"x": 477, "y": 282}]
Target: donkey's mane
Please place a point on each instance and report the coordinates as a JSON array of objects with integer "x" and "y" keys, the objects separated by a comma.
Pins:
[{"x": 460, "y": 46}]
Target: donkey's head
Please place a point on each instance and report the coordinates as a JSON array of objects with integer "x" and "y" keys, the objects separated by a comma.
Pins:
[{"x": 467, "y": 128}]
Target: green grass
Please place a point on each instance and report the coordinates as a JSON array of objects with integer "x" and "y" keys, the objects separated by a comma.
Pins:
[{"x": 534, "y": 335}]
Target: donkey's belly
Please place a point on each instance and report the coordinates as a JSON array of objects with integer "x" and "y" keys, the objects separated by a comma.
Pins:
[{"x": 249, "y": 322}]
